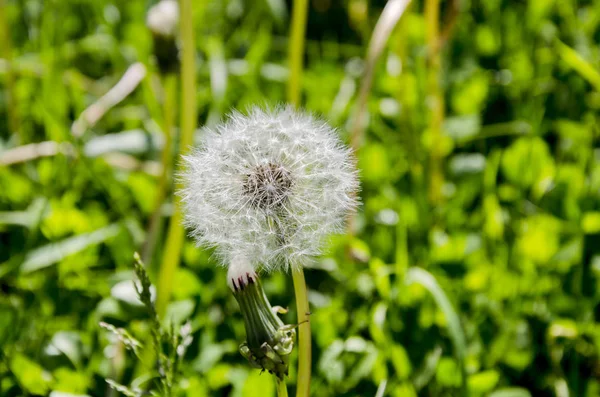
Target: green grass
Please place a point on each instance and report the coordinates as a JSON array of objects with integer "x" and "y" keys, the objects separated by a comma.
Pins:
[{"x": 473, "y": 263}]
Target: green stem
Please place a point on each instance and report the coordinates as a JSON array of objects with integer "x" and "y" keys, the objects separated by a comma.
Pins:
[
  {"x": 296, "y": 50},
  {"x": 281, "y": 388},
  {"x": 432, "y": 14},
  {"x": 6, "y": 53},
  {"x": 304, "y": 337},
  {"x": 170, "y": 88},
  {"x": 401, "y": 256},
  {"x": 176, "y": 233},
  {"x": 295, "y": 57}
]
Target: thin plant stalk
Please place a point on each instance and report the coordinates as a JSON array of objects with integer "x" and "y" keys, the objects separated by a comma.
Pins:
[
  {"x": 391, "y": 14},
  {"x": 401, "y": 254},
  {"x": 296, "y": 50},
  {"x": 449, "y": 22},
  {"x": 170, "y": 261},
  {"x": 176, "y": 233},
  {"x": 295, "y": 58},
  {"x": 170, "y": 89},
  {"x": 281, "y": 388},
  {"x": 130, "y": 80},
  {"x": 304, "y": 334},
  {"x": 6, "y": 53},
  {"x": 436, "y": 99}
]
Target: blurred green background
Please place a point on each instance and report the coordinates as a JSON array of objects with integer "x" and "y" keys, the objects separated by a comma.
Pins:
[{"x": 475, "y": 264}]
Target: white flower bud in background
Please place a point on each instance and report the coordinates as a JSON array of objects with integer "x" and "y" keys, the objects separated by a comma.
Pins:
[
  {"x": 163, "y": 18},
  {"x": 268, "y": 187},
  {"x": 163, "y": 21}
]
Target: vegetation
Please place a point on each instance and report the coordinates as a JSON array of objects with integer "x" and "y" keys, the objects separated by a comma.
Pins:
[{"x": 471, "y": 269}]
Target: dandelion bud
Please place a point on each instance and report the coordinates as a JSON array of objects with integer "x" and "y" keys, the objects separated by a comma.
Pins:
[
  {"x": 163, "y": 21},
  {"x": 268, "y": 341}
]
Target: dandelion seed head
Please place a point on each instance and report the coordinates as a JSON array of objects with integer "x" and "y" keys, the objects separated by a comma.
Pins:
[{"x": 269, "y": 187}]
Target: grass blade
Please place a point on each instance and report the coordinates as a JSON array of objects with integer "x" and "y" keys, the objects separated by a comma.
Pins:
[
  {"x": 580, "y": 65},
  {"x": 55, "y": 252},
  {"x": 381, "y": 388},
  {"x": 426, "y": 279},
  {"x": 132, "y": 77},
  {"x": 511, "y": 392},
  {"x": 394, "y": 9}
]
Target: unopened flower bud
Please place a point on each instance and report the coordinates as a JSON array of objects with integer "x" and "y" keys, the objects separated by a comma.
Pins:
[
  {"x": 268, "y": 341},
  {"x": 163, "y": 22}
]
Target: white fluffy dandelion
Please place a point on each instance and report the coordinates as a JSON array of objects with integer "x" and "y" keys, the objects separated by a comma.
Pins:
[{"x": 266, "y": 189}]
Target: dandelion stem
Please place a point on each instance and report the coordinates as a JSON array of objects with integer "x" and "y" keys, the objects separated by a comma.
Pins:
[
  {"x": 296, "y": 52},
  {"x": 304, "y": 337},
  {"x": 175, "y": 235},
  {"x": 295, "y": 56},
  {"x": 281, "y": 388}
]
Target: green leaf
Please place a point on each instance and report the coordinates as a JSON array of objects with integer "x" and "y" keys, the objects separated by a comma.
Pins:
[
  {"x": 428, "y": 369},
  {"x": 591, "y": 222},
  {"x": 426, "y": 279},
  {"x": 212, "y": 354},
  {"x": 330, "y": 364},
  {"x": 258, "y": 386},
  {"x": 64, "y": 394},
  {"x": 381, "y": 274},
  {"x": 527, "y": 161},
  {"x": 400, "y": 361},
  {"x": 470, "y": 96},
  {"x": 579, "y": 64},
  {"x": 483, "y": 382},
  {"x": 462, "y": 128},
  {"x": 69, "y": 381},
  {"x": 188, "y": 284},
  {"x": 67, "y": 343},
  {"x": 511, "y": 392},
  {"x": 52, "y": 253},
  {"x": 364, "y": 367},
  {"x": 374, "y": 163},
  {"x": 448, "y": 373},
  {"x": 26, "y": 218},
  {"x": 123, "y": 389},
  {"x": 539, "y": 231},
  {"x": 179, "y": 311},
  {"x": 30, "y": 375}
]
